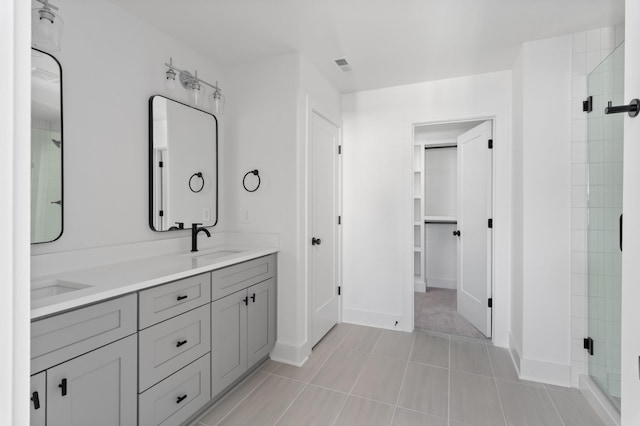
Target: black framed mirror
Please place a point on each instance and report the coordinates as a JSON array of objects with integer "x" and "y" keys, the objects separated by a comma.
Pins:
[
  {"x": 183, "y": 166},
  {"x": 47, "y": 147}
]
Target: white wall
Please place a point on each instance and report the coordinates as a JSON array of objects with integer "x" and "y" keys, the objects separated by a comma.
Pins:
[
  {"x": 111, "y": 64},
  {"x": 631, "y": 253},
  {"x": 544, "y": 136},
  {"x": 378, "y": 186},
  {"x": 266, "y": 131}
]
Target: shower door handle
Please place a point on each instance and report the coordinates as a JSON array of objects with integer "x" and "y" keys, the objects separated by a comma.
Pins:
[
  {"x": 620, "y": 232},
  {"x": 456, "y": 233}
]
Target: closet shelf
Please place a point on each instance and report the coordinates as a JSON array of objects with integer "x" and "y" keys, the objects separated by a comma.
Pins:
[{"x": 441, "y": 219}]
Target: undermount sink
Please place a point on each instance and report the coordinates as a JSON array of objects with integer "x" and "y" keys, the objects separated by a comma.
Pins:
[
  {"x": 54, "y": 288},
  {"x": 214, "y": 255}
]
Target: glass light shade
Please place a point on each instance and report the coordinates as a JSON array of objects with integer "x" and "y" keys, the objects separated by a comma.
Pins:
[
  {"x": 216, "y": 102},
  {"x": 46, "y": 34},
  {"x": 196, "y": 93},
  {"x": 170, "y": 81}
]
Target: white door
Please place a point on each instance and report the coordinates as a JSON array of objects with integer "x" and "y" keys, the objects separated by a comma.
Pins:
[
  {"x": 324, "y": 251},
  {"x": 474, "y": 238}
]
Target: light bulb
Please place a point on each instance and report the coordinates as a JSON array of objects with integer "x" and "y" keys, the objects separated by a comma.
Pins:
[
  {"x": 170, "y": 81},
  {"x": 196, "y": 94}
]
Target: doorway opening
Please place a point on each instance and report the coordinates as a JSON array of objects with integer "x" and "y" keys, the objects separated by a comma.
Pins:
[{"x": 452, "y": 228}]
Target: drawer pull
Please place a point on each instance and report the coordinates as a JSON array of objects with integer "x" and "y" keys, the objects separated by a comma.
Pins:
[
  {"x": 36, "y": 400},
  {"x": 179, "y": 298},
  {"x": 181, "y": 398},
  {"x": 253, "y": 298},
  {"x": 246, "y": 301},
  {"x": 63, "y": 387},
  {"x": 181, "y": 342}
]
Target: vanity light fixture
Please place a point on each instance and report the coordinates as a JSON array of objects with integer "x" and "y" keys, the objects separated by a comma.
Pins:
[
  {"x": 46, "y": 27},
  {"x": 195, "y": 86}
]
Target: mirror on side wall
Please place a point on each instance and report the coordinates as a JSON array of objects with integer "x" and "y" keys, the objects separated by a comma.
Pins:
[
  {"x": 183, "y": 166},
  {"x": 46, "y": 148}
]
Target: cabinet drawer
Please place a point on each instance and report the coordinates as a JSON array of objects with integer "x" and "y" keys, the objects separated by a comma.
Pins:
[
  {"x": 237, "y": 277},
  {"x": 65, "y": 336},
  {"x": 168, "y": 300},
  {"x": 178, "y": 397},
  {"x": 167, "y": 347}
]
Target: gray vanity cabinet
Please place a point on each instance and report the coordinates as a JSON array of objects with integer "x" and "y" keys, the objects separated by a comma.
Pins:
[
  {"x": 98, "y": 388},
  {"x": 38, "y": 397},
  {"x": 243, "y": 324}
]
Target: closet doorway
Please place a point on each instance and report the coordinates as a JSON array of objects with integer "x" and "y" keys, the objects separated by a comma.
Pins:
[{"x": 453, "y": 227}]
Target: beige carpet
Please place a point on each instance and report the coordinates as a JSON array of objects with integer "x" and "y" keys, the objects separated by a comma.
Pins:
[{"x": 436, "y": 310}]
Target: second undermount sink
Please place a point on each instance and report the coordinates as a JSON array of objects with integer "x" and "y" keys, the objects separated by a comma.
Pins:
[
  {"x": 214, "y": 255},
  {"x": 52, "y": 288}
]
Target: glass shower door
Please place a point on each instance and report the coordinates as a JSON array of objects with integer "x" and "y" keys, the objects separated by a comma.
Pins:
[{"x": 604, "y": 151}]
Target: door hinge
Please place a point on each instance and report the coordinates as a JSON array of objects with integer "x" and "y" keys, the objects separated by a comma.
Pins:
[
  {"x": 339, "y": 149},
  {"x": 161, "y": 213},
  {"x": 490, "y": 223},
  {"x": 490, "y": 302},
  {"x": 490, "y": 143},
  {"x": 161, "y": 164},
  {"x": 339, "y": 220},
  {"x": 588, "y": 345},
  {"x": 339, "y": 290},
  {"x": 587, "y": 106}
]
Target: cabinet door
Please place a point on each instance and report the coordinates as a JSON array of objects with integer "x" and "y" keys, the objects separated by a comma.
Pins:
[
  {"x": 98, "y": 388},
  {"x": 261, "y": 320},
  {"x": 38, "y": 399},
  {"x": 228, "y": 340}
]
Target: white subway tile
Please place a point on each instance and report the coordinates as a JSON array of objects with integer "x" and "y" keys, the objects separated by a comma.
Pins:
[
  {"x": 579, "y": 130},
  {"x": 619, "y": 34},
  {"x": 579, "y": 89},
  {"x": 578, "y": 240},
  {"x": 579, "y": 152},
  {"x": 580, "y": 63},
  {"x": 578, "y": 284},
  {"x": 608, "y": 38},
  {"x": 578, "y": 306},
  {"x": 578, "y": 174},
  {"x": 593, "y": 40},
  {"x": 579, "y": 42},
  {"x": 593, "y": 59},
  {"x": 604, "y": 53},
  {"x": 578, "y": 261}
]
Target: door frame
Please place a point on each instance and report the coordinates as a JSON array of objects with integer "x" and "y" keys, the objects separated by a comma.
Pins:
[
  {"x": 410, "y": 126},
  {"x": 313, "y": 107}
]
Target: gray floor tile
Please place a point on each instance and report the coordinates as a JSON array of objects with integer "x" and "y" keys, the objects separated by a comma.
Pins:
[
  {"x": 361, "y": 339},
  {"x": 503, "y": 367},
  {"x": 318, "y": 357},
  {"x": 527, "y": 405},
  {"x": 269, "y": 366},
  {"x": 341, "y": 370},
  {"x": 470, "y": 357},
  {"x": 336, "y": 334},
  {"x": 474, "y": 400},
  {"x": 430, "y": 349},
  {"x": 396, "y": 344},
  {"x": 574, "y": 409},
  {"x": 403, "y": 417},
  {"x": 315, "y": 406},
  {"x": 233, "y": 398},
  {"x": 359, "y": 411},
  {"x": 380, "y": 379},
  {"x": 266, "y": 403},
  {"x": 425, "y": 389}
]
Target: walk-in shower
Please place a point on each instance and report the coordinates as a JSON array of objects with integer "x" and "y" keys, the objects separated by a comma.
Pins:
[{"x": 605, "y": 221}]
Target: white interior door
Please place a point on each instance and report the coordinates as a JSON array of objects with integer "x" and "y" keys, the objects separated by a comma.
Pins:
[
  {"x": 475, "y": 236},
  {"x": 324, "y": 251}
]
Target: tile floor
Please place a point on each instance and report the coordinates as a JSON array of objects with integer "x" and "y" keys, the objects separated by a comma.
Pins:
[
  {"x": 367, "y": 376},
  {"x": 437, "y": 310}
]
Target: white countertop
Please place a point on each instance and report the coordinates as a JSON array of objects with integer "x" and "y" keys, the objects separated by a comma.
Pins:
[{"x": 105, "y": 282}]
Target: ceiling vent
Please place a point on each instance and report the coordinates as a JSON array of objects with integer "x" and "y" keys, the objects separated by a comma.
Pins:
[{"x": 343, "y": 64}]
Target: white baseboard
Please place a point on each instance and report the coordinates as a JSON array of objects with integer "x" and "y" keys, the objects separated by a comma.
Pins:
[
  {"x": 515, "y": 351},
  {"x": 374, "y": 319},
  {"x": 442, "y": 283},
  {"x": 545, "y": 372},
  {"x": 286, "y": 353},
  {"x": 599, "y": 402},
  {"x": 419, "y": 287}
]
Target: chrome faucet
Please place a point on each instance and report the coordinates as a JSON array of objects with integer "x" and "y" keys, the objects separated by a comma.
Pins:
[{"x": 194, "y": 235}]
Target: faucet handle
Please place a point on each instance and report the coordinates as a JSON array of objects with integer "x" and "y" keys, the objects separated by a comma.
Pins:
[
  {"x": 195, "y": 225},
  {"x": 180, "y": 225}
]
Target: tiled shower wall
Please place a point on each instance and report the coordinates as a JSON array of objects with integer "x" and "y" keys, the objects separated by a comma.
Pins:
[{"x": 589, "y": 49}]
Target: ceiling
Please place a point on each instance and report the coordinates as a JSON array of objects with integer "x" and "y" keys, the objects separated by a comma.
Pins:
[{"x": 387, "y": 42}]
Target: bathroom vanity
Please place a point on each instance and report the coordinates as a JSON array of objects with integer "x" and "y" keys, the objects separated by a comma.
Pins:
[{"x": 148, "y": 342}]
